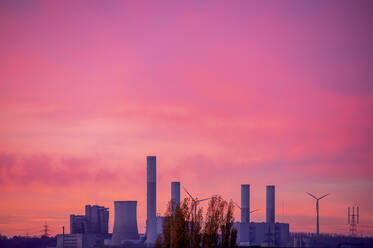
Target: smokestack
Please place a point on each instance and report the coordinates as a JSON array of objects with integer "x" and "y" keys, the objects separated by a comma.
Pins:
[
  {"x": 175, "y": 194},
  {"x": 125, "y": 222},
  {"x": 245, "y": 203},
  {"x": 151, "y": 220},
  {"x": 270, "y": 214}
]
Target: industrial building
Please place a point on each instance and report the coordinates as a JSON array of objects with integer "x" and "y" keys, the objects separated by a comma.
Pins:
[
  {"x": 86, "y": 230},
  {"x": 265, "y": 234},
  {"x": 95, "y": 220},
  {"x": 80, "y": 240},
  {"x": 78, "y": 224}
]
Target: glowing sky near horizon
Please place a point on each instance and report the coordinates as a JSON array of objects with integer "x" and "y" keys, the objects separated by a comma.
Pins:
[{"x": 223, "y": 92}]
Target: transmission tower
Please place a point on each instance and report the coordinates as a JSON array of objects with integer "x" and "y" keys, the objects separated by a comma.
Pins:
[
  {"x": 46, "y": 230},
  {"x": 353, "y": 220}
]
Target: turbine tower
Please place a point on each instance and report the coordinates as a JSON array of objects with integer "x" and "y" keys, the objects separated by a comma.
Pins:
[
  {"x": 195, "y": 202},
  {"x": 317, "y": 210}
]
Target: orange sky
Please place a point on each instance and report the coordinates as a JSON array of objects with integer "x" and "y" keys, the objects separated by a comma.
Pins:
[{"x": 224, "y": 93}]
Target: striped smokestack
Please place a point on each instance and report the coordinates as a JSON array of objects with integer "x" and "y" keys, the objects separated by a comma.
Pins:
[{"x": 151, "y": 220}]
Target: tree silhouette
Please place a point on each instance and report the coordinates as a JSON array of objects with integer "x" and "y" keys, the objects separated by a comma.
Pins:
[
  {"x": 214, "y": 220},
  {"x": 181, "y": 230},
  {"x": 233, "y": 239}
]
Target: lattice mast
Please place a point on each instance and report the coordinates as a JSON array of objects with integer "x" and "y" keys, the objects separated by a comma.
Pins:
[
  {"x": 46, "y": 230},
  {"x": 353, "y": 220}
]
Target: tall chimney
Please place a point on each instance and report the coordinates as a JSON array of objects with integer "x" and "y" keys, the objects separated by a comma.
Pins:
[
  {"x": 270, "y": 213},
  {"x": 151, "y": 220},
  {"x": 245, "y": 203},
  {"x": 175, "y": 194}
]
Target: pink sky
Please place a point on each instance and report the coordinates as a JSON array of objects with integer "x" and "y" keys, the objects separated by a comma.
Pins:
[{"x": 223, "y": 92}]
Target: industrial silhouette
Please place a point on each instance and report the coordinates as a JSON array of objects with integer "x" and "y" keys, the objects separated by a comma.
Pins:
[{"x": 92, "y": 228}]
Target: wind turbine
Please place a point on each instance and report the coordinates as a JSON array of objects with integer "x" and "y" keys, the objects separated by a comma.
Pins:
[
  {"x": 195, "y": 202},
  {"x": 241, "y": 208},
  {"x": 317, "y": 210}
]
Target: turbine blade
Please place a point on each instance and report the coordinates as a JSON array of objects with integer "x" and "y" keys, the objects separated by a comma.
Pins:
[
  {"x": 312, "y": 195},
  {"x": 203, "y": 199},
  {"x": 188, "y": 194},
  {"x": 254, "y": 211},
  {"x": 323, "y": 196},
  {"x": 236, "y": 205}
]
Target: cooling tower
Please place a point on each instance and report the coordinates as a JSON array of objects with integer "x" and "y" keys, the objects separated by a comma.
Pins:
[
  {"x": 245, "y": 203},
  {"x": 175, "y": 194},
  {"x": 270, "y": 208},
  {"x": 151, "y": 220},
  {"x": 125, "y": 222}
]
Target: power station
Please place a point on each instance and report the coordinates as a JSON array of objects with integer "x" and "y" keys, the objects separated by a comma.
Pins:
[{"x": 92, "y": 228}]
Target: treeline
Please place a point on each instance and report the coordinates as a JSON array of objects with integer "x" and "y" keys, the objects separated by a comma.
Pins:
[{"x": 184, "y": 225}]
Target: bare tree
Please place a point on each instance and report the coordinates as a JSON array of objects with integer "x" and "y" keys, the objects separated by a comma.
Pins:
[
  {"x": 214, "y": 220},
  {"x": 181, "y": 230},
  {"x": 196, "y": 230},
  {"x": 167, "y": 223},
  {"x": 227, "y": 225},
  {"x": 176, "y": 225}
]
